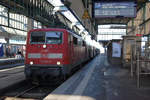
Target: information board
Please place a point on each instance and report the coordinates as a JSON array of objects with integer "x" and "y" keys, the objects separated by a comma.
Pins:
[
  {"x": 114, "y": 9},
  {"x": 116, "y": 49}
]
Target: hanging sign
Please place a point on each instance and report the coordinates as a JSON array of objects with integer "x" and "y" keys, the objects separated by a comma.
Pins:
[
  {"x": 114, "y": 9},
  {"x": 85, "y": 15}
]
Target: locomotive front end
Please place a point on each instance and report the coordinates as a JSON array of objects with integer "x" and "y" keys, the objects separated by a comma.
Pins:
[{"x": 45, "y": 54}]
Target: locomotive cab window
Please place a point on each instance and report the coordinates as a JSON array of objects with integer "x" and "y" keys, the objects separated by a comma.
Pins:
[
  {"x": 37, "y": 37},
  {"x": 53, "y": 37},
  {"x": 49, "y": 37}
]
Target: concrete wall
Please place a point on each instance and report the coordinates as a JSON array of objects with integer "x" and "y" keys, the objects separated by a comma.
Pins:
[{"x": 141, "y": 23}]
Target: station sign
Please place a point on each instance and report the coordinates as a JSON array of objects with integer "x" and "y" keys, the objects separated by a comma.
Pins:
[
  {"x": 17, "y": 40},
  {"x": 114, "y": 9}
]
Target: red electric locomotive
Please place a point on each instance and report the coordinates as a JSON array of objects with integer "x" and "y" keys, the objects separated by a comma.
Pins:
[{"x": 53, "y": 52}]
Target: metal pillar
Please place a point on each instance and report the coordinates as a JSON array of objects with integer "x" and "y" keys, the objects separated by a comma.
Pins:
[
  {"x": 132, "y": 63},
  {"x": 138, "y": 70}
]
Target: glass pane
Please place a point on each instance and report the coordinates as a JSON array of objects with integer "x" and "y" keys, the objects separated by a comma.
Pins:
[
  {"x": 38, "y": 37},
  {"x": 50, "y": 37},
  {"x": 53, "y": 37}
]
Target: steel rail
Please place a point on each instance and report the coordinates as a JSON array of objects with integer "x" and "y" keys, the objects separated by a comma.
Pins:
[{"x": 24, "y": 92}]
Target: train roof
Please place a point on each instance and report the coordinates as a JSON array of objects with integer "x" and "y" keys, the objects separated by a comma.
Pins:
[
  {"x": 40, "y": 29},
  {"x": 57, "y": 29}
]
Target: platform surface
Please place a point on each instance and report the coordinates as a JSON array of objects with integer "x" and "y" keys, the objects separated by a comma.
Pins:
[
  {"x": 11, "y": 76},
  {"x": 7, "y": 59},
  {"x": 6, "y": 63},
  {"x": 99, "y": 80}
]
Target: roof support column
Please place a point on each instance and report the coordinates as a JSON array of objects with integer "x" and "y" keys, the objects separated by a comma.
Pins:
[
  {"x": 30, "y": 24},
  {"x": 144, "y": 16}
]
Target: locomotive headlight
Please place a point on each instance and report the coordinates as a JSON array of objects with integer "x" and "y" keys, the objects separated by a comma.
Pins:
[
  {"x": 44, "y": 46},
  {"x": 31, "y": 62},
  {"x": 58, "y": 63}
]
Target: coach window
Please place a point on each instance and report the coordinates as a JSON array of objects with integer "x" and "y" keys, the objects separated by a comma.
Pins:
[{"x": 75, "y": 41}]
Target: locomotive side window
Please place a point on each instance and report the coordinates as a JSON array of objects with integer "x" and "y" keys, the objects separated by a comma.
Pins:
[
  {"x": 75, "y": 41},
  {"x": 37, "y": 37},
  {"x": 53, "y": 37}
]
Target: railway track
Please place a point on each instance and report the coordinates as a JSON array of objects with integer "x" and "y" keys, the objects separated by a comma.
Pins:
[
  {"x": 19, "y": 95},
  {"x": 25, "y": 90}
]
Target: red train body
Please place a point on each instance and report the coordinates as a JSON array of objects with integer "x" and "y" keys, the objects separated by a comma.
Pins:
[{"x": 54, "y": 52}]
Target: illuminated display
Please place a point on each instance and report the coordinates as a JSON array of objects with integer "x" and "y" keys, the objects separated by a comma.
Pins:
[{"x": 117, "y": 9}]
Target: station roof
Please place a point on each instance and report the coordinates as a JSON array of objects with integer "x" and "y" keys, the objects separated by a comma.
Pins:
[{"x": 121, "y": 20}]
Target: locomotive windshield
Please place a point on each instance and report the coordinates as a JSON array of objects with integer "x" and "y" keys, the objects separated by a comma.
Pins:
[
  {"x": 37, "y": 37},
  {"x": 49, "y": 37},
  {"x": 53, "y": 37}
]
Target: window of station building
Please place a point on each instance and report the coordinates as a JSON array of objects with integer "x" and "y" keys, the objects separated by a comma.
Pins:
[
  {"x": 37, "y": 24},
  {"x": 3, "y": 15},
  {"x": 18, "y": 21}
]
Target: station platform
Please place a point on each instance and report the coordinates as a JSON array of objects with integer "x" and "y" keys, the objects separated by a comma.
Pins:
[
  {"x": 10, "y": 62},
  {"x": 11, "y": 76},
  {"x": 11, "y": 72},
  {"x": 98, "y": 80}
]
